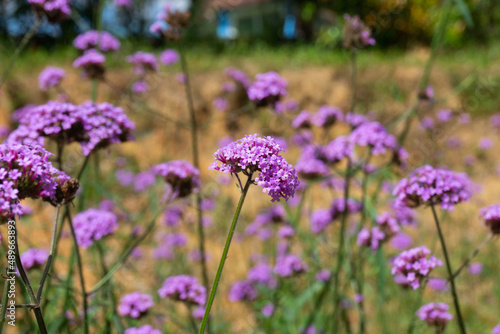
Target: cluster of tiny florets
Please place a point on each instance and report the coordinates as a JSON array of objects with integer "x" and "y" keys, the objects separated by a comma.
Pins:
[
  {"x": 26, "y": 172},
  {"x": 143, "y": 62},
  {"x": 93, "y": 39},
  {"x": 414, "y": 264},
  {"x": 267, "y": 89},
  {"x": 435, "y": 315},
  {"x": 253, "y": 153},
  {"x": 53, "y": 10},
  {"x": 183, "y": 288},
  {"x": 491, "y": 216},
  {"x": 183, "y": 177},
  {"x": 146, "y": 329},
  {"x": 93, "y": 126},
  {"x": 92, "y": 225},
  {"x": 91, "y": 63},
  {"x": 289, "y": 265},
  {"x": 135, "y": 304},
  {"x": 34, "y": 258},
  {"x": 428, "y": 185},
  {"x": 50, "y": 77}
]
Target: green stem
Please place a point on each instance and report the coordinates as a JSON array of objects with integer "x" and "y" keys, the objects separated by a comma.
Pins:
[
  {"x": 224, "y": 253},
  {"x": 5, "y": 298},
  {"x": 80, "y": 274},
  {"x": 38, "y": 312},
  {"x": 474, "y": 253},
  {"x": 18, "y": 50},
  {"x": 450, "y": 273},
  {"x": 340, "y": 254},
  {"x": 196, "y": 163}
]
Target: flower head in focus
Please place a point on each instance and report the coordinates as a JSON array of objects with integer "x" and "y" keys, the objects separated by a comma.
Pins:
[
  {"x": 414, "y": 265},
  {"x": 135, "y": 304},
  {"x": 253, "y": 154}
]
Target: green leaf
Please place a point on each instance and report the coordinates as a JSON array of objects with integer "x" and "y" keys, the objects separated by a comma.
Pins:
[{"x": 464, "y": 10}]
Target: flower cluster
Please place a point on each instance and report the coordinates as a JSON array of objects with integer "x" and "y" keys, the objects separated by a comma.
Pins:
[
  {"x": 91, "y": 63},
  {"x": 387, "y": 227},
  {"x": 327, "y": 116},
  {"x": 183, "y": 288},
  {"x": 94, "y": 126},
  {"x": 435, "y": 315},
  {"x": 491, "y": 216},
  {"x": 242, "y": 291},
  {"x": 50, "y": 77},
  {"x": 414, "y": 264},
  {"x": 356, "y": 33},
  {"x": 166, "y": 250},
  {"x": 238, "y": 76},
  {"x": 320, "y": 219},
  {"x": 135, "y": 304},
  {"x": 183, "y": 177},
  {"x": 93, "y": 39},
  {"x": 262, "y": 273},
  {"x": 169, "y": 57},
  {"x": 92, "y": 225},
  {"x": 34, "y": 258},
  {"x": 375, "y": 136},
  {"x": 338, "y": 207},
  {"x": 254, "y": 153},
  {"x": 54, "y": 10},
  {"x": 428, "y": 185},
  {"x": 143, "y": 62},
  {"x": 25, "y": 172},
  {"x": 303, "y": 120},
  {"x": 146, "y": 329},
  {"x": 267, "y": 89},
  {"x": 289, "y": 265}
]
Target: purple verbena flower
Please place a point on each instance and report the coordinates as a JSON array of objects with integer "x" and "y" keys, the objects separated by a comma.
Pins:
[
  {"x": 135, "y": 304},
  {"x": 253, "y": 153},
  {"x": 327, "y": 116},
  {"x": 180, "y": 175},
  {"x": 169, "y": 57},
  {"x": 143, "y": 62},
  {"x": 491, "y": 217},
  {"x": 92, "y": 225},
  {"x": 145, "y": 329},
  {"x": 50, "y": 77},
  {"x": 93, "y": 39},
  {"x": 320, "y": 219},
  {"x": 428, "y": 185},
  {"x": 415, "y": 264},
  {"x": 302, "y": 120},
  {"x": 323, "y": 275},
  {"x": 444, "y": 115},
  {"x": 183, "y": 288},
  {"x": 267, "y": 310},
  {"x": 267, "y": 89},
  {"x": 289, "y": 265},
  {"x": 91, "y": 63},
  {"x": 475, "y": 268},
  {"x": 139, "y": 87},
  {"x": 238, "y": 76},
  {"x": 338, "y": 207},
  {"x": 375, "y": 136},
  {"x": 435, "y": 315},
  {"x": 263, "y": 274},
  {"x": 242, "y": 291},
  {"x": 34, "y": 258},
  {"x": 54, "y": 10}
]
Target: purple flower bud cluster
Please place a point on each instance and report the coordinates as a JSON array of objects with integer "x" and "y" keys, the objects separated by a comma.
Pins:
[
  {"x": 91, "y": 63},
  {"x": 183, "y": 288},
  {"x": 320, "y": 219},
  {"x": 289, "y": 265},
  {"x": 146, "y": 329},
  {"x": 242, "y": 291},
  {"x": 94, "y": 126},
  {"x": 339, "y": 206},
  {"x": 323, "y": 275},
  {"x": 34, "y": 258},
  {"x": 262, "y": 273},
  {"x": 92, "y": 225},
  {"x": 93, "y": 39},
  {"x": 253, "y": 153},
  {"x": 267, "y": 89},
  {"x": 25, "y": 172},
  {"x": 414, "y": 264},
  {"x": 327, "y": 116},
  {"x": 183, "y": 177},
  {"x": 356, "y": 33},
  {"x": 173, "y": 215},
  {"x": 50, "y": 77},
  {"x": 54, "y": 10},
  {"x": 169, "y": 57},
  {"x": 375, "y": 136},
  {"x": 428, "y": 185},
  {"x": 303, "y": 120},
  {"x": 170, "y": 242},
  {"x": 435, "y": 315},
  {"x": 491, "y": 216},
  {"x": 404, "y": 215},
  {"x": 387, "y": 227},
  {"x": 143, "y": 62},
  {"x": 135, "y": 304}
]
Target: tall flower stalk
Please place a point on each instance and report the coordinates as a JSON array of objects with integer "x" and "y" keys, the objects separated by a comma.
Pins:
[{"x": 451, "y": 277}]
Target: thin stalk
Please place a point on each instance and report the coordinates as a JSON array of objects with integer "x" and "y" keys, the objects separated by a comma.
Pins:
[
  {"x": 340, "y": 254},
  {"x": 224, "y": 253},
  {"x": 38, "y": 312},
  {"x": 5, "y": 299},
  {"x": 22, "y": 45},
  {"x": 451, "y": 278},
  {"x": 473, "y": 255},
  {"x": 48, "y": 265},
  {"x": 196, "y": 163},
  {"x": 192, "y": 322},
  {"x": 354, "y": 74},
  {"x": 85, "y": 162},
  {"x": 80, "y": 274}
]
